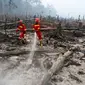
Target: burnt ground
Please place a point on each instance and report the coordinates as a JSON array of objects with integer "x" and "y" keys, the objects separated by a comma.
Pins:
[{"x": 16, "y": 70}]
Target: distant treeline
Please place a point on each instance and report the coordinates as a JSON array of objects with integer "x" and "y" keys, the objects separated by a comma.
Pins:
[{"x": 25, "y": 7}]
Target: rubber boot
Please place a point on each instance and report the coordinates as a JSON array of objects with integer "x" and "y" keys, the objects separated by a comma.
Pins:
[{"x": 41, "y": 43}]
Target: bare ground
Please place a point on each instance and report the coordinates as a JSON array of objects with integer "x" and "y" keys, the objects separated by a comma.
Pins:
[{"x": 16, "y": 70}]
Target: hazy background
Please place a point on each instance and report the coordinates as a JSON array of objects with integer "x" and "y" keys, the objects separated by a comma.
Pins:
[
  {"x": 26, "y": 7},
  {"x": 64, "y": 8},
  {"x": 68, "y": 8}
]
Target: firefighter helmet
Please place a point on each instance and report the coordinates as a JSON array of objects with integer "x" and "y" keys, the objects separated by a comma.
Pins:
[
  {"x": 37, "y": 20},
  {"x": 20, "y": 21}
]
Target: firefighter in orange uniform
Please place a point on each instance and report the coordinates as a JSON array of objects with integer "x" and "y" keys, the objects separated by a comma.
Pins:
[
  {"x": 36, "y": 27},
  {"x": 22, "y": 28}
]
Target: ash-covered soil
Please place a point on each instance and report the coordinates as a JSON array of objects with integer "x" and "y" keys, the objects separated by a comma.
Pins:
[{"x": 16, "y": 70}]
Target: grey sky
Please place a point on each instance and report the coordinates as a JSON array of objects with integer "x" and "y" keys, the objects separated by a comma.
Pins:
[{"x": 68, "y": 7}]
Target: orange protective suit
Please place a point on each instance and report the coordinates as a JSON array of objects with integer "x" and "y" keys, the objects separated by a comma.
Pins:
[
  {"x": 36, "y": 27},
  {"x": 22, "y": 29}
]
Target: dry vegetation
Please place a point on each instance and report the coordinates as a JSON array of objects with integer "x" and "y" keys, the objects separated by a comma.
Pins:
[{"x": 65, "y": 50}]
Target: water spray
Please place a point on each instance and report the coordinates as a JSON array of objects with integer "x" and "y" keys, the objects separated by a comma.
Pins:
[{"x": 32, "y": 49}]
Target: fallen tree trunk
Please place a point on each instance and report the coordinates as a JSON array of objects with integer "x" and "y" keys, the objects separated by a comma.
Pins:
[
  {"x": 15, "y": 52},
  {"x": 55, "y": 68},
  {"x": 20, "y": 52},
  {"x": 7, "y": 24}
]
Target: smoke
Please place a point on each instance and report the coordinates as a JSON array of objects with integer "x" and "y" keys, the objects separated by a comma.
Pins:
[{"x": 25, "y": 7}]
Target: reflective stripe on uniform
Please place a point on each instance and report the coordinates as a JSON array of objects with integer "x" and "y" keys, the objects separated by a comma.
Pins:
[
  {"x": 38, "y": 28},
  {"x": 36, "y": 25},
  {"x": 20, "y": 26}
]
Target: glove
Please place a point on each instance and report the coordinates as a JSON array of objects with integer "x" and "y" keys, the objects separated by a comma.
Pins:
[{"x": 33, "y": 29}]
